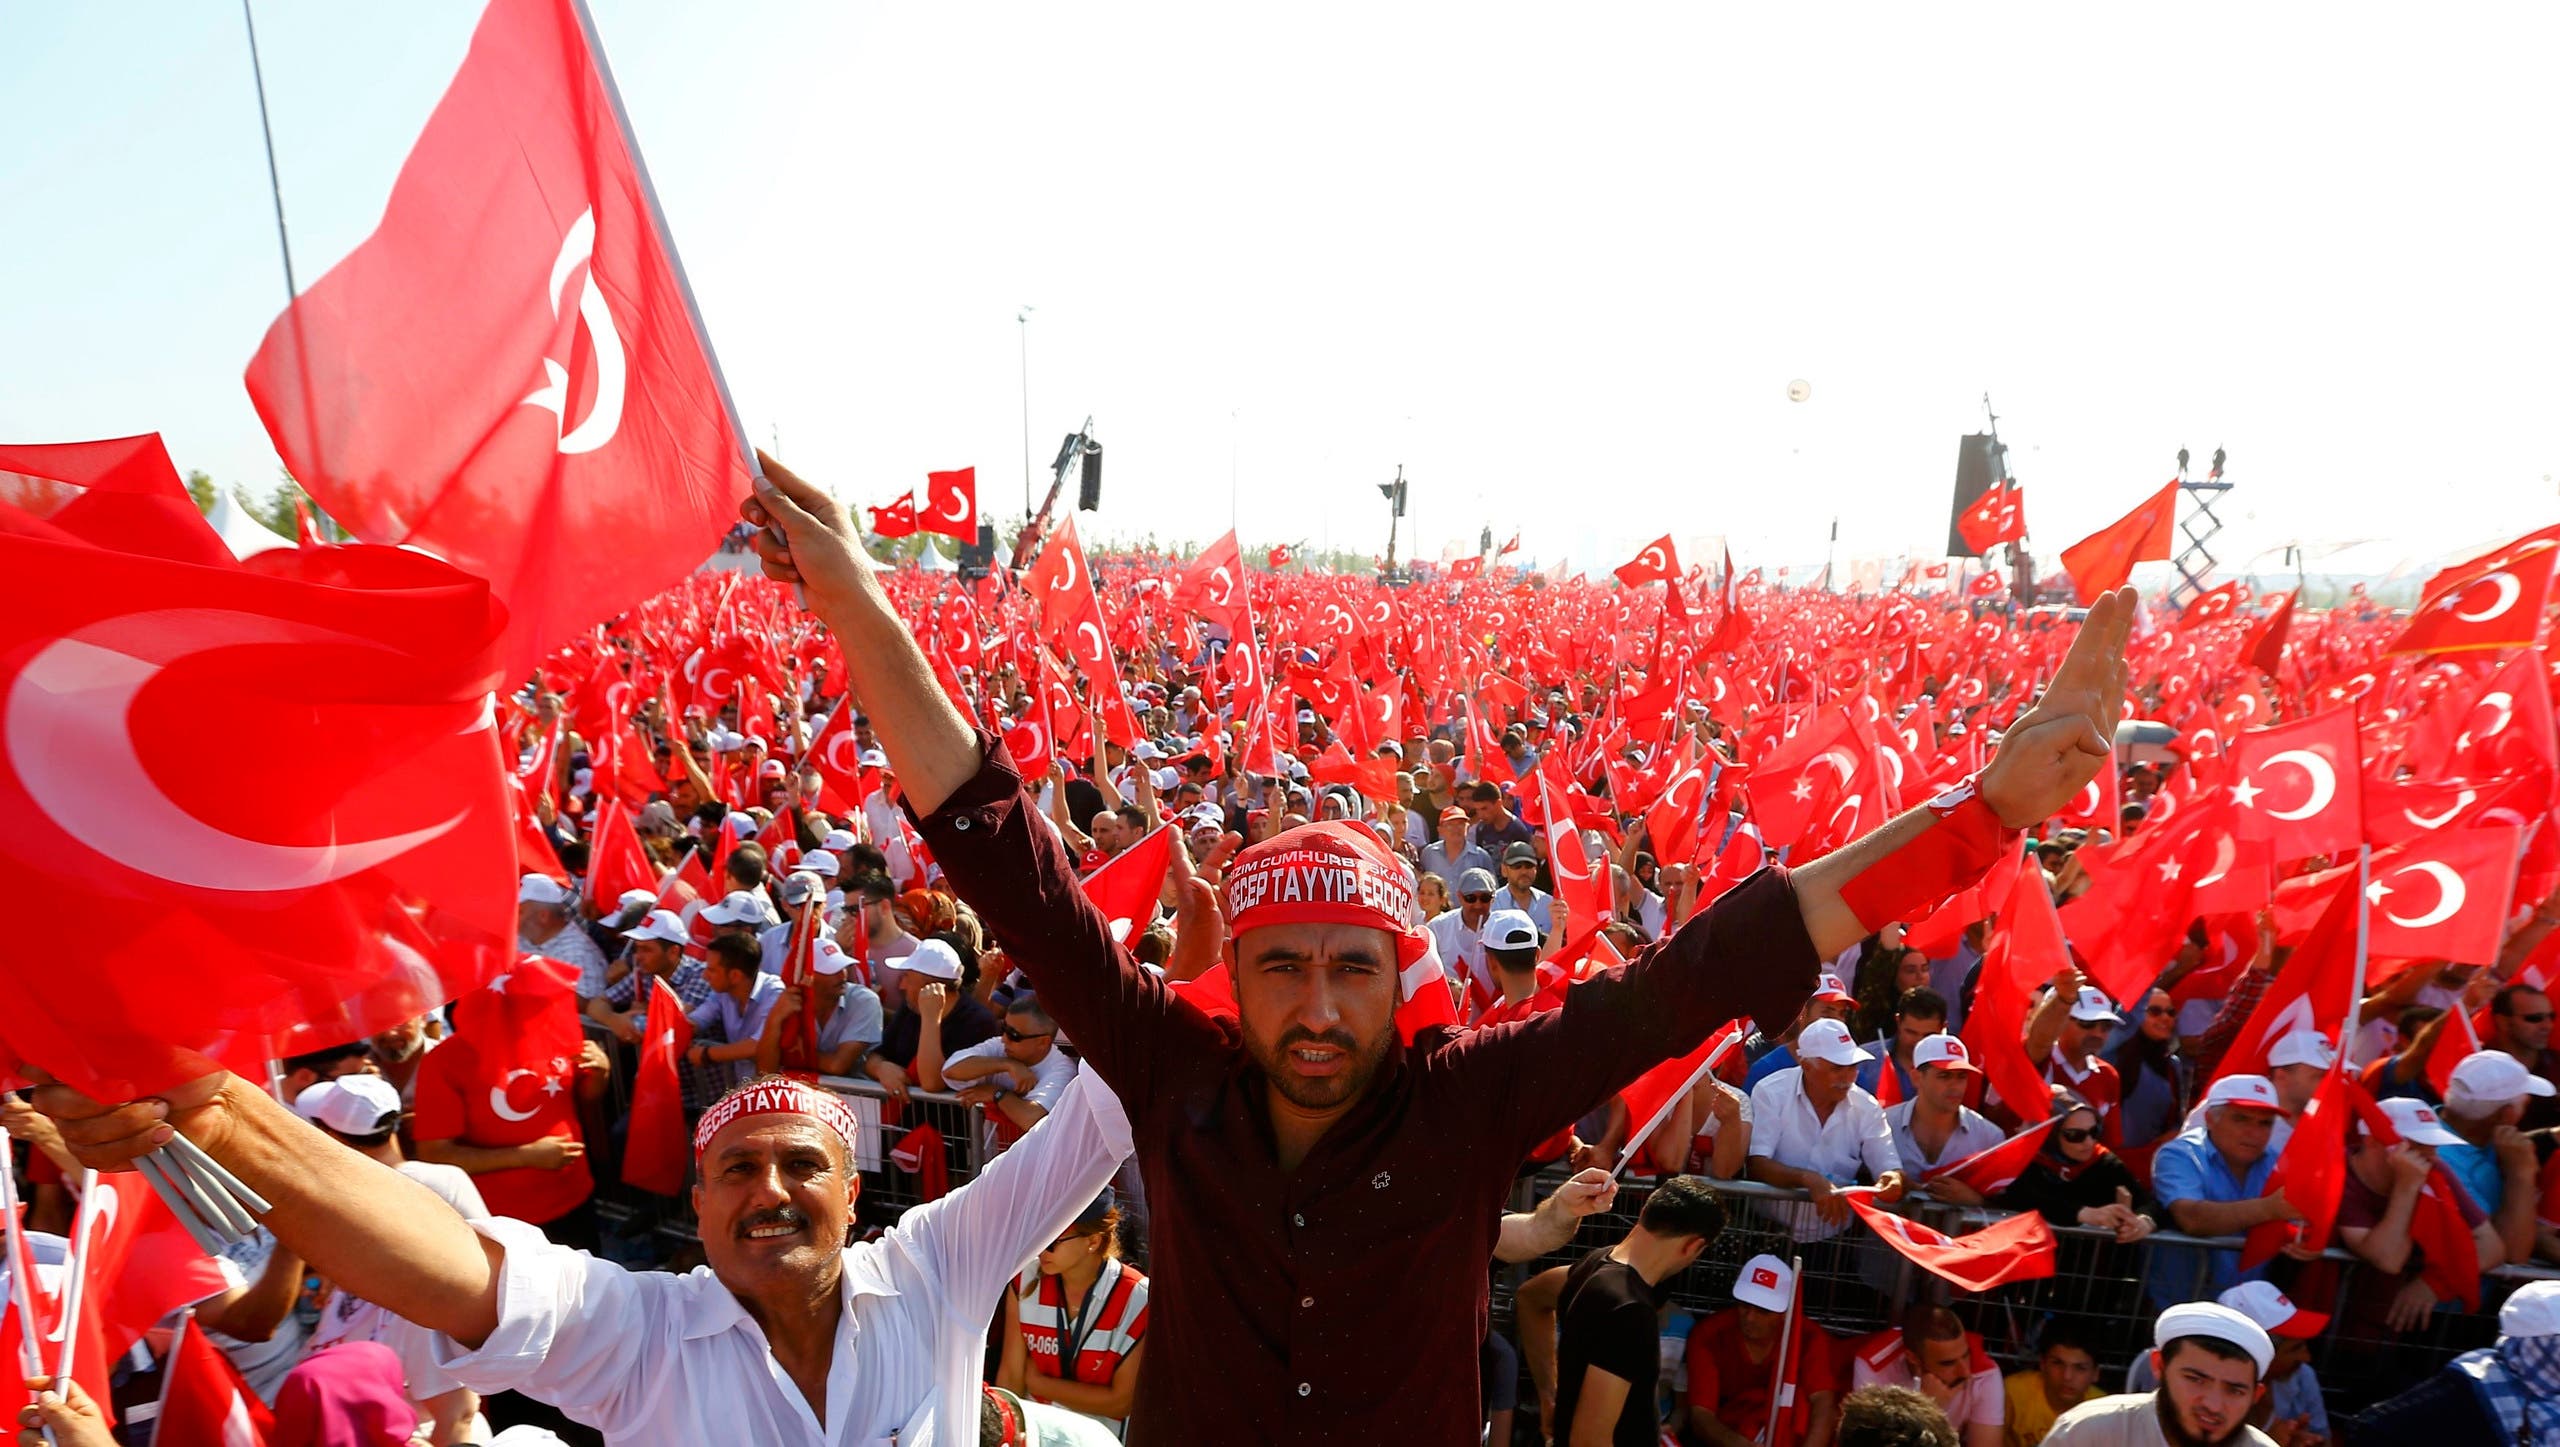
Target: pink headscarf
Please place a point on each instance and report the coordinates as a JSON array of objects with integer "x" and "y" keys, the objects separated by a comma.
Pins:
[{"x": 348, "y": 1395}]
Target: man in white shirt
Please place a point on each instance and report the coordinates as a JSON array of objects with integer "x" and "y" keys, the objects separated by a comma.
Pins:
[
  {"x": 786, "y": 1338},
  {"x": 1520, "y": 890},
  {"x": 1934, "y": 1127},
  {"x": 1457, "y": 935},
  {"x": 1813, "y": 1128},
  {"x": 1020, "y": 1073}
]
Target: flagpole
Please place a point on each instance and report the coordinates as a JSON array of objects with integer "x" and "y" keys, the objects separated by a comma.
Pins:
[
  {"x": 1778, "y": 1368},
  {"x": 83, "y": 1228},
  {"x": 275, "y": 187},
  {"x": 2350, "y": 1027},
  {"x": 666, "y": 240},
  {"x": 1627, "y": 1152},
  {"x": 21, "y": 1262}
]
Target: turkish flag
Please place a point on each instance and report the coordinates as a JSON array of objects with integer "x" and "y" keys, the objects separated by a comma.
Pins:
[
  {"x": 2298, "y": 786},
  {"x": 2019, "y": 1248},
  {"x": 1992, "y": 1169},
  {"x": 2313, "y": 1177},
  {"x": 273, "y": 798},
  {"x": 615, "y": 861},
  {"x": 2214, "y": 605},
  {"x": 1465, "y": 568},
  {"x": 1802, "y": 774},
  {"x": 203, "y": 1400},
  {"x": 1672, "y": 825},
  {"x": 2104, "y": 559},
  {"x": 1071, "y": 616},
  {"x": 1581, "y": 881},
  {"x": 1213, "y": 587},
  {"x": 2309, "y": 993},
  {"x": 657, "y": 1153},
  {"x": 120, "y": 493},
  {"x": 2263, "y": 648},
  {"x": 1278, "y": 558},
  {"x": 48, "y": 1290},
  {"x": 1649, "y": 1095},
  {"x": 2445, "y": 896},
  {"x": 2508, "y": 727},
  {"x": 1656, "y": 563},
  {"x": 837, "y": 756},
  {"x": 1374, "y": 778},
  {"x": 1127, "y": 886},
  {"x": 897, "y": 520},
  {"x": 2499, "y": 606},
  {"x": 509, "y": 372},
  {"x": 951, "y": 504},
  {"x": 2026, "y": 951},
  {"x": 1998, "y": 516}
]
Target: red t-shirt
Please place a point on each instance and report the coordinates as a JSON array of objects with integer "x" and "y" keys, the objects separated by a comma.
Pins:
[
  {"x": 1501, "y": 1012},
  {"x": 459, "y": 1097},
  {"x": 1726, "y": 1383}
]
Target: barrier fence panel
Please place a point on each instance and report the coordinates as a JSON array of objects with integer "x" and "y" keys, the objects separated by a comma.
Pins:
[{"x": 1855, "y": 1284}]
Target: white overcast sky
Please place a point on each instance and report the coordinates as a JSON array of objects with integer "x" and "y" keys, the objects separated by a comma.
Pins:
[{"x": 1558, "y": 261}]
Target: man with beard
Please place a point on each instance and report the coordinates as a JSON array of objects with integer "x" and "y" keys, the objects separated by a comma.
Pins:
[
  {"x": 786, "y": 1338},
  {"x": 1324, "y": 1190},
  {"x": 2212, "y": 1363}
]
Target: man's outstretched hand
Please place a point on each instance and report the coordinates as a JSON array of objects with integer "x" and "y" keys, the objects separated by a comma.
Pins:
[
  {"x": 820, "y": 549},
  {"x": 2055, "y": 748}
]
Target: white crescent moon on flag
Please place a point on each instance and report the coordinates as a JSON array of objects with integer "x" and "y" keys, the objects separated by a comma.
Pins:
[
  {"x": 2461, "y": 801},
  {"x": 2324, "y": 782},
  {"x": 1101, "y": 650},
  {"x": 835, "y": 759},
  {"x": 959, "y": 508},
  {"x": 2085, "y": 802},
  {"x": 1652, "y": 557},
  {"x": 2223, "y": 853},
  {"x": 1842, "y": 760},
  {"x": 2450, "y": 894},
  {"x": 1066, "y": 579},
  {"x": 2508, "y": 591},
  {"x": 498, "y": 1096},
  {"x": 69, "y": 740},
  {"x": 1225, "y": 589},
  {"x": 711, "y": 688},
  {"x": 2505, "y": 703},
  {"x": 604, "y": 416}
]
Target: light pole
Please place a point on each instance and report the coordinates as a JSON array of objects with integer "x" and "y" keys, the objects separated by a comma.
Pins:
[{"x": 1022, "y": 328}]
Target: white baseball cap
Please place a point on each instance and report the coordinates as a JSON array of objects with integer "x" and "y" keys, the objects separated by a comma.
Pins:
[
  {"x": 871, "y": 759},
  {"x": 1147, "y": 751},
  {"x": 2534, "y": 1310},
  {"x": 2262, "y": 1303},
  {"x": 1767, "y": 1283},
  {"x": 1510, "y": 929},
  {"x": 663, "y": 925},
  {"x": 2220, "y": 1323},
  {"x": 2093, "y": 1004},
  {"x": 934, "y": 960},
  {"x": 820, "y": 861},
  {"x": 2493, "y": 1077},
  {"x": 634, "y": 898},
  {"x": 837, "y": 841},
  {"x": 354, "y": 1104},
  {"x": 2249, "y": 1092},
  {"x": 2302, "y": 1047},
  {"x": 1828, "y": 986},
  {"x": 1828, "y": 1040},
  {"x": 830, "y": 958},
  {"x": 2418, "y": 1122},
  {"x": 1944, "y": 1051},
  {"x": 741, "y": 906},
  {"x": 541, "y": 889}
]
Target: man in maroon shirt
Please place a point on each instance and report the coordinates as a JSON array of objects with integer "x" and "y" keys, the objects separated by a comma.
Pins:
[{"x": 1324, "y": 1193}]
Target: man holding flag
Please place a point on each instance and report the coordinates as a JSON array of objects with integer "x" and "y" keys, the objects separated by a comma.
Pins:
[{"x": 1336, "y": 1147}]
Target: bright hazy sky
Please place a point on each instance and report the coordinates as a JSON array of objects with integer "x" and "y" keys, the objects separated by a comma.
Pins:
[{"x": 1558, "y": 261}]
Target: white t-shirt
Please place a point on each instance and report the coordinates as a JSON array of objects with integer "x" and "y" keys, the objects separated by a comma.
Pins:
[
  {"x": 1048, "y": 1078},
  {"x": 1785, "y": 1129},
  {"x": 263, "y": 1364}
]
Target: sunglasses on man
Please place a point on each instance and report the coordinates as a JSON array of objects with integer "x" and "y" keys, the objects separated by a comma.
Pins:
[{"x": 1019, "y": 1036}]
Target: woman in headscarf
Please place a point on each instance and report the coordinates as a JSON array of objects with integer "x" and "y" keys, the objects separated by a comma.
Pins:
[
  {"x": 348, "y": 1395},
  {"x": 2075, "y": 1181}
]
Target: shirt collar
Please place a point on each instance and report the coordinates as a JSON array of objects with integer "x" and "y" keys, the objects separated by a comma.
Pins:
[{"x": 716, "y": 1309}]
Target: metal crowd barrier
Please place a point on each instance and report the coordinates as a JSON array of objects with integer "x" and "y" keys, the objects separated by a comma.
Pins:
[{"x": 1855, "y": 1284}]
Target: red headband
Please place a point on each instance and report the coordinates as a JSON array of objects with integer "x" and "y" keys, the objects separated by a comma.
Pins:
[
  {"x": 1335, "y": 872},
  {"x": 785, "y": 1097}
]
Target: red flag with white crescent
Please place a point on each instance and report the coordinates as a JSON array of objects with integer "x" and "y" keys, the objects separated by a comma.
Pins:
[
  {"x": 951, "y": 504},
  {"x": 510, "y": 368}
]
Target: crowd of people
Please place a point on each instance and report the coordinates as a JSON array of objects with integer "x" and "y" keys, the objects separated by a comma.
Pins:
[{"x": 1235, "y": 1170}]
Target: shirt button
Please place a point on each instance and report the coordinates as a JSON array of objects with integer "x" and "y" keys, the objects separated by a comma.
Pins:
[
  {"x": 961, "y": 823},
  {"x": 1298, "y": 1220},
  {"x": 1306, "y": 1301},
  {"x": 1306, "y": 1389}
]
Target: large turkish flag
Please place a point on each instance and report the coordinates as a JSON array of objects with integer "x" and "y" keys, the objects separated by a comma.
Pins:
[
  {"x": 272, "y": 798},
  {"x": 2105, "y": 558},
  {"x": 508, "y": 372},
  {"x": 2299, "y": 786}
]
